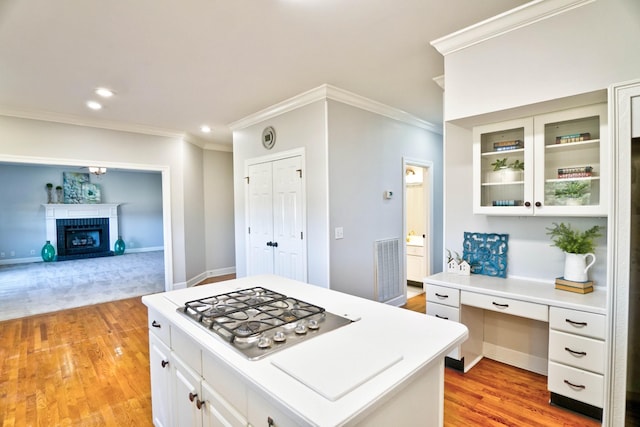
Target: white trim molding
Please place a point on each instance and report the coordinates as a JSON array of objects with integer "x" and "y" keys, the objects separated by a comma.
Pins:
[
  {"x": 325, "y": 92},
  {"x": 503, "y": 23}
]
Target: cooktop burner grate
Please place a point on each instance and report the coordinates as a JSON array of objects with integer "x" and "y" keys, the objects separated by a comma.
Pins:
[{"x": 257, "y": 321}]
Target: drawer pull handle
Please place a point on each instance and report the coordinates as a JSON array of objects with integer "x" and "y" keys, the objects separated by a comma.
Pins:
[
  {"x": 441, "y": 296},
  {"x": 570, "y": 384},
  {"x": 576, "y": 353},
  {"x": 500, "y": 305},
  {"x": 442, "y": 317},
  {"x": 156, "y": 324},
  {"x": 571, "y": 322}
]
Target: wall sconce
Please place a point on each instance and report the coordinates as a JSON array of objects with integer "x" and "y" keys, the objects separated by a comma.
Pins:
[{"x": 97, "y": 170}]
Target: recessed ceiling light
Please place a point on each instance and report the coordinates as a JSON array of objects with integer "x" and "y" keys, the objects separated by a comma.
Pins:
[
  {"x": 104, "y": 92},
  {"x": 94, "y": 105},
  {"x": 205, "y": 128}
]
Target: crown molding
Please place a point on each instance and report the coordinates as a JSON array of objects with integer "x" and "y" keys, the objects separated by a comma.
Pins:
[
  {"x": 83, "y": 121},
  {"x": 503, "y": 23},
  {"x": 331, "y": 92}
]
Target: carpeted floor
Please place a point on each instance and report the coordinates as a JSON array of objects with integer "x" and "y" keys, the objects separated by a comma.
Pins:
[{"x": 43, "y": 287}]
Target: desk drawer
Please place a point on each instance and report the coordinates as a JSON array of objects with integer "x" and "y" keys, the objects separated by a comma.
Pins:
[
  {"x": 443, "y": 311},
  {"x": 579, "y": 352},
  {"x": 443, "y": 295},
  {"x": 577, "y": 322},
  {"x": 506, "y": 305},
  {"x": 576, "y": 384}
]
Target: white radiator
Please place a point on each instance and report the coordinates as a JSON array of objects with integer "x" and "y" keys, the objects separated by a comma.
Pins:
[{"x": 388, "y": 273}]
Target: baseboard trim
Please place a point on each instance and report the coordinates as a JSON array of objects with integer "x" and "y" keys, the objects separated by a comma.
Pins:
[{"x": 515, "y": 358}]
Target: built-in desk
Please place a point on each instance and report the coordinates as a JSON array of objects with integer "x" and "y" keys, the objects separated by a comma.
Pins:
[{"x": 531, "y": 325}]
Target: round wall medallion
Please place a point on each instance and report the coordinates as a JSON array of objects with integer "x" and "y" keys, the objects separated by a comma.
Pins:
[{"x": 269, "y": 137}]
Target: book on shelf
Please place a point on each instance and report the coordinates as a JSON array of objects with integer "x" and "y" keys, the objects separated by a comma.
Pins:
[
  {"x": 574, "y": 175},
  {"x": 575, "y": 137},
  {"x": 507, "y": 145},
  {"x": 564, "y": 282},
  {"x": 575, "y": 169},
  {"x": 576, "y": 290}
]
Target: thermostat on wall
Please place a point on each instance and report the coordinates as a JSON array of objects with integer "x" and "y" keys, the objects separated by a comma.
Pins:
[{"x": 268, "y": 137}]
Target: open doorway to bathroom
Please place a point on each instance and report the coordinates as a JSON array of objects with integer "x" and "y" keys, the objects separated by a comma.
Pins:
[{"x": 417, "y": 223}]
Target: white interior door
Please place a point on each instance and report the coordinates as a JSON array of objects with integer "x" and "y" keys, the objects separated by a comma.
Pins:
[
  {"x": 260, "y": 219},
  {"x": 276, "y": 225},
  {"x": 287, "y": 218}
]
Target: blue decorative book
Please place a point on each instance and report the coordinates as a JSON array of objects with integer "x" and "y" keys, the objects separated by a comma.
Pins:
[{"x": 486, "y": 253}]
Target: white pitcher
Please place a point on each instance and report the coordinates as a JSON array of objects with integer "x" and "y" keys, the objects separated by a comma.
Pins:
[{"x": 576, "y": 267}]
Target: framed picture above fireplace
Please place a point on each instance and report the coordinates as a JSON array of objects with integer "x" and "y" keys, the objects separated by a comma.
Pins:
[{"x": 79, "y": 189}]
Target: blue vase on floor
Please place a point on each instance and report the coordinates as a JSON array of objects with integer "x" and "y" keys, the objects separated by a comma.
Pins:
[
  {"x": 119, "y": 246},
  {"x": 48, "y": 252}
]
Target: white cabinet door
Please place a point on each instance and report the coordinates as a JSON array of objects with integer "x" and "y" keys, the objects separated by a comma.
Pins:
[
  {"x": 159, "y": 361},
  {"x": 187, "y": 400},
  {"x": 217, "y": 412},
  {"x": 262, "y": 413},
  {"x": 565, "y": 159},
  {"x": 276, "y": 229}
]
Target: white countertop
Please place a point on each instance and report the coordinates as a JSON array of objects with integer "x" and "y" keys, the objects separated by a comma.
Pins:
[
  {"x": 404, "y": 343},
  {"x": 525, "y": 290}
]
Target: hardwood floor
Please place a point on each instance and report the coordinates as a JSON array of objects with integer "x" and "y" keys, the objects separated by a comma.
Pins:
[{"x": 90, "y": 367}]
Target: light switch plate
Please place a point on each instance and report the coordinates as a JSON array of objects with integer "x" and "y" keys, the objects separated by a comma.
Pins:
[{"x": 339, "y": 233}]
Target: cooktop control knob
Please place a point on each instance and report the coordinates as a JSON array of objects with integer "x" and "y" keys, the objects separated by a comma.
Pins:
[
  {"x": 279, "y": 337},
  {"x": 301, "y": 329},
  {"x": 313, "y": 324},
  {"x": 264, "y": 342}
]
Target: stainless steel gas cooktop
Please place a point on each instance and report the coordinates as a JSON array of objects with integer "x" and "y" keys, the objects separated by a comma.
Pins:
[{"x": 258, "y": 321}]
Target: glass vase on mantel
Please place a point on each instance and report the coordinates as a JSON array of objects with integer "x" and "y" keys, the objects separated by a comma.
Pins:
[
  {"x": 48, "y": 252},
  {"x": 119, "y": 246}
]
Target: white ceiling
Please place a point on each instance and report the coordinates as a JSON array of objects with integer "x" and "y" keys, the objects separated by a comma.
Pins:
[{"x": 176, "y": 65}]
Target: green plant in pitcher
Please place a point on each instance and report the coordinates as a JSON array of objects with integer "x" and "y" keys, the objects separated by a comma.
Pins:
[
  {"x": 572, "y": 189},
  {"x": 499, "y": 164},
  {"x": 574, "y": 241},
  {"x": 517, "y": 165}
]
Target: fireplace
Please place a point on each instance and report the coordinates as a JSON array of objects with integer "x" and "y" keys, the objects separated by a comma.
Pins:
[
  {"x": 82, "y": 238},
  {"x": 88, "y": 230}
]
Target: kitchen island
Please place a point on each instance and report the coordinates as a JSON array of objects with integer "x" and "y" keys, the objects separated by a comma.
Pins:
[{"x": 385, "y": 367}]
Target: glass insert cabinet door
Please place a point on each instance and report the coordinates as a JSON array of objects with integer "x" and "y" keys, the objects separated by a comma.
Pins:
[
  {"x": 552, "y": 164},
  {"x": 572, "y": 149},
  {"x": 503, "y": 168}
]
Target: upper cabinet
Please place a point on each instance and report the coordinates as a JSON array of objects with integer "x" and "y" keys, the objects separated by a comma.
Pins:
[{"x": 553, "y": 164}]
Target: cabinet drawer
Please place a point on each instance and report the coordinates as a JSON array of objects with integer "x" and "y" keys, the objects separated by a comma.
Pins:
[
  {"x": 577, "y": 322},
  {"x": 443, "y": 311},
  {"x": 576, "y": 384},
  {"x": 579, "y": 352},
  {"x": 443, "y": 295},
  {"x": 506, "y": 305},
  {"x": 159, "y": 326},
  {"x": 187, "y": 349}
]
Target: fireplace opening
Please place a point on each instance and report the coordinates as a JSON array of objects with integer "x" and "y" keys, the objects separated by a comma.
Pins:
[{"x": 83, "y": 238}]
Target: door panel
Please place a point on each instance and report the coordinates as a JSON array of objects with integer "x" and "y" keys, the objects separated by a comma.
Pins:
[
  {"x": 276, "y": 239},
  {"x": 287, "y": 207},
  {"x": 260, "y": 219}
]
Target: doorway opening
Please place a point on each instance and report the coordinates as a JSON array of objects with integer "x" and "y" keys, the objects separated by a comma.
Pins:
[{"x": 417, "y": 194}]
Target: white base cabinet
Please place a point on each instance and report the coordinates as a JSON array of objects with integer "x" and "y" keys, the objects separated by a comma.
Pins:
[{"x": 576, "y": 338}]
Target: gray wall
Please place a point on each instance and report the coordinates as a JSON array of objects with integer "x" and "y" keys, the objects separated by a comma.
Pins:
[
  {"x": 219, "y": 213},
  {"x": 365, "y": 159},
  {"x": 22, "y": 222}
]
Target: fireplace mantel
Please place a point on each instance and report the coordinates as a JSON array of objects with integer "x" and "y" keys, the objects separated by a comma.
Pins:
[{"x": 54, "y": 211}]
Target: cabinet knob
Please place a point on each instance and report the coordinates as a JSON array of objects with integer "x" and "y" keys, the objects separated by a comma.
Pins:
[
  {"x": 164, "y": 363},
  {"x": 270, "y": 422},
  {"x": 199, "y": 403},
  {"x": 527, "y": 204},
  {"x": 192, "y": 396},
  {"x": 538, "y": 204}
]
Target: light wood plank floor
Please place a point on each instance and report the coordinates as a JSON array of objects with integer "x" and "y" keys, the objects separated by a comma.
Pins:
[{"x": 90, "y": 367}]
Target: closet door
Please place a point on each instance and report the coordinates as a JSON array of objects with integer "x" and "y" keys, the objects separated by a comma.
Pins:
[
  {"x": 260, "y": 219},
  {"x": 287, "y": 216},
  {"x": 276, "y": 234}
]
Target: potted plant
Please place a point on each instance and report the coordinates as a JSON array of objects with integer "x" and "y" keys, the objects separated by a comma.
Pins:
[
  {"x": 577, "y": 246},
  {"x": 508, "y": 172},
  {"x": 572, "y": 192}
]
